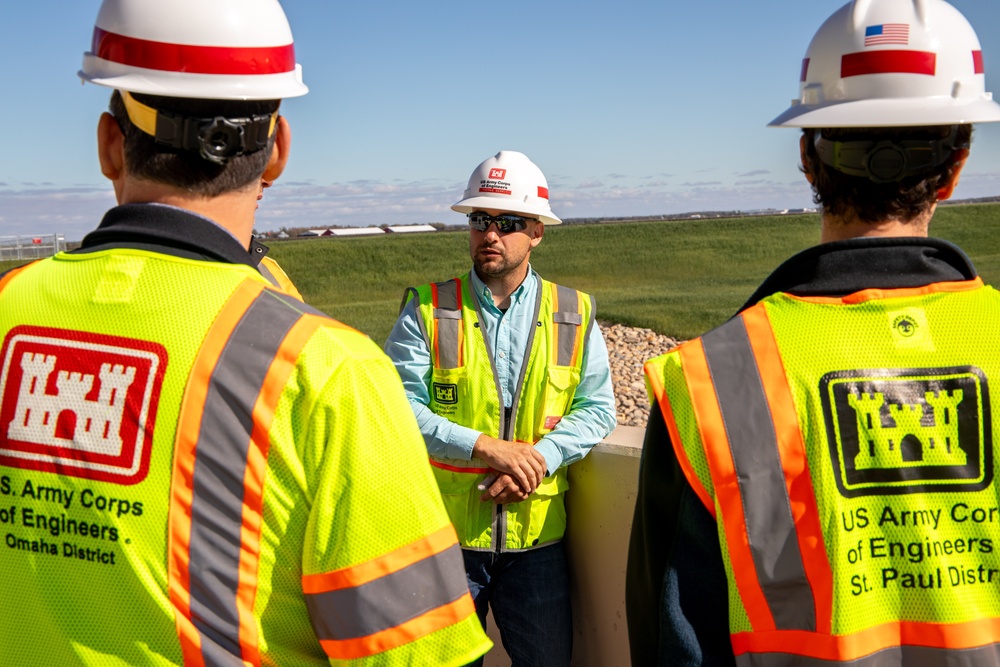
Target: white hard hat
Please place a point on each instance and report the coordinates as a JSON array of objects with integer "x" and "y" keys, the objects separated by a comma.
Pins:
[
  {"x": 892, "y": 63},
  {"x": 508, "y": 181},
  {"x": 206, "y": 49}
]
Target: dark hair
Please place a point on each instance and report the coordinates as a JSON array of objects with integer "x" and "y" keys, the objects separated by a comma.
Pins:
[
  {"x": 843, "y": 195},
  {"x": 145, "y": 159}
]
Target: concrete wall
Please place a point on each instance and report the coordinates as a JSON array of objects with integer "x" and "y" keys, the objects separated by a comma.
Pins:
[{"x": 599, "y": 504}]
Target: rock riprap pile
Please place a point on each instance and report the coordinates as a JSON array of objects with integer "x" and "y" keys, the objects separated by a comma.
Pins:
[{"x": 628, "y": 349}]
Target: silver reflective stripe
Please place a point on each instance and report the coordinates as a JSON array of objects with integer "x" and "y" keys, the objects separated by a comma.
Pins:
[
  {"x": 447, "y": 326},
  {"x": 752, "y": 440},
  {"x": 389, "y": 601},
  {"x": 568, "y": 318},
  {"x": 219, "y": 469},
  {"x": 897, "y": 656},
  {"x": 266, "y": 272},
  {"x": 566, "y": 326}
]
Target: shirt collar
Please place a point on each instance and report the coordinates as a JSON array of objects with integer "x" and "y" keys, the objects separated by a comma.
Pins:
[
  {"x": 170, "y": 230},
  {"x": 485, "y": 295},
  {"x": 844, "y": 267}
]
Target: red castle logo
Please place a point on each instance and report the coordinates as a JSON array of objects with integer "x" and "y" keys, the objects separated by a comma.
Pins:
[
  {"x": 498, "y": 174},
  {"x": 79, "y": 404}
]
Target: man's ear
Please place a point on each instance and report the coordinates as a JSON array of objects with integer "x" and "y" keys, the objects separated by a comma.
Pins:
[
  {"x": 805, "y": 160},
  {"x": 110, "y": 147},
  {"x": 946, "y": 191},
  {"x": 537, "y": 233},
  {"x": 279, "y": 154}
]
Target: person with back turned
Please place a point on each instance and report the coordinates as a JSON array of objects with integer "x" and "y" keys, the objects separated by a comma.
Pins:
[
  {"x": 811, "y": 467},
  {"x": 197, "y": 468}
]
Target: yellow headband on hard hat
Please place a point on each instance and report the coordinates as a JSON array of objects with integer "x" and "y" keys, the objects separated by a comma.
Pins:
[{"x": 214, "y": 139}]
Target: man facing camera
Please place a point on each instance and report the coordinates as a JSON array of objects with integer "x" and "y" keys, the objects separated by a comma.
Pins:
[{"x": 508, "y": 376}]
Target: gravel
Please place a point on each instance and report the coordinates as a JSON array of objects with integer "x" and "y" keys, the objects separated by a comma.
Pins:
[{"x": 628, "y": 349}]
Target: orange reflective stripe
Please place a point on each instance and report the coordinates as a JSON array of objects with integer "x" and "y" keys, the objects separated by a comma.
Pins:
[
  {"x": 554, "y": 289},
  {"x": 568, "y": 325},
  {"x": 727, "y": 491},
  {"x": 792, "y": 450},
  {"x": 843, "y": 648},
  {"x": 656, "y": 381},
  {"x": 579, "y": 333},
  {"x": 393, "y": 561},
  {"x": 873, "y": 294},
  {"x": 7, "y": 277},
  {"x": 445, "y": 466},
  {"x": 188, "y": 428},
  {"x": 432, "y": 621}
]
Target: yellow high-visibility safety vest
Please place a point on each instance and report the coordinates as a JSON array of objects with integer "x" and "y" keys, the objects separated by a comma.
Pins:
[
  {"x": 464, "y": 389},
  {"x": 845, "y": 447},
  {"x": 210, "y": 489}
]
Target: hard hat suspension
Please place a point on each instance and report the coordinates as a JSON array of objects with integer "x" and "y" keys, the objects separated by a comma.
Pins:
[
  {"x": 215, "y": 139},
  {"x": 887, "y": 160}
]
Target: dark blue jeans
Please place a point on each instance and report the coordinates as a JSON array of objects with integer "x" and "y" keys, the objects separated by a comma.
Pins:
[{"x": 529, "y": 594}]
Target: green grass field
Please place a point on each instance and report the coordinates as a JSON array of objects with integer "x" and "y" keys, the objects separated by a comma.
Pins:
[{"x": 679, "y": 278}]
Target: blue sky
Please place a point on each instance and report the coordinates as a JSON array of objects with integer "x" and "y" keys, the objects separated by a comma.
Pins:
[{"x": 630, "y": 108}]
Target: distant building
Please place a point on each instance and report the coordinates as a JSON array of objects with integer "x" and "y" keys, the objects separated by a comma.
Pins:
[
  {"x": 356, "y": 231},
  {"x": 409, "y": 229}
]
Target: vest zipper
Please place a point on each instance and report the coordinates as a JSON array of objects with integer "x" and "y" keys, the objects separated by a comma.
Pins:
[{"x": 500, "y": 516}]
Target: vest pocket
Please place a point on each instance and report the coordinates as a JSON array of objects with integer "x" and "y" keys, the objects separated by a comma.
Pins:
[
  {"x": 467, "y": 513},
  {"x": 557, "y": 394},
  {"x": 545, "y": 514},
  {"x": 553, "y": 485}
]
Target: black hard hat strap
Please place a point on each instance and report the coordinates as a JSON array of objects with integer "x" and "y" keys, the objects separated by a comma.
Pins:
[{"x": 216, "y": 139}]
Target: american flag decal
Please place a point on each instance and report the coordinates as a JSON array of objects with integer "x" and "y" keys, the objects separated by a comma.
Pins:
[{"x": 887, "y": 33}]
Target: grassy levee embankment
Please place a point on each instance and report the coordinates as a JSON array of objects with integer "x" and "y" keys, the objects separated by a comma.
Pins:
[{"x": 678, "y": 278}]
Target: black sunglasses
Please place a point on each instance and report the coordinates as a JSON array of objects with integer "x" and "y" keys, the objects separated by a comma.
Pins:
[{"x": 505, "y": 222}]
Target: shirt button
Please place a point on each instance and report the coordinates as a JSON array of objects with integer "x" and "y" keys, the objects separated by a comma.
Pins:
[{"x": 501, "y": 355}]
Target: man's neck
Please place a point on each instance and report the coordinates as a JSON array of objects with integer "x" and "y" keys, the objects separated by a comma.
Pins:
[
  {"x": 233, "y": 211},
  {"x": 502, "y": 287},
  {"x": 841, "y": 228}
]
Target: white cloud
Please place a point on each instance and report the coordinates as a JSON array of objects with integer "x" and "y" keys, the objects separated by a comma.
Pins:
[{"x": 76, "y": 210}]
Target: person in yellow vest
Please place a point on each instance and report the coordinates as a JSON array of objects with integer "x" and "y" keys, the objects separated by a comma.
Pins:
[
  {"x": 509, "y": 378},
  {"x": 196, "y": 468},
  {"x": 819, "y": 480}
]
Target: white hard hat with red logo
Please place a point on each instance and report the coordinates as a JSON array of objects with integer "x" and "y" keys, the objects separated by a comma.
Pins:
[
  {"x": 510, "y": 182},
  {"x": 209, "y": 49},
  {"x": 892, "y": 63}
]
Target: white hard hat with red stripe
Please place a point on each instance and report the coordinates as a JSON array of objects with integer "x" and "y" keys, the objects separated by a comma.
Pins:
[
  {"x": 210, "y": 49},
  {"x": 892, "y": 63},
  {"x": 510, "y": 182}
]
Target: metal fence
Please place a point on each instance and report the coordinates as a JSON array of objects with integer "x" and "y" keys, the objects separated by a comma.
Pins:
[{"x": 31, "y": 247}]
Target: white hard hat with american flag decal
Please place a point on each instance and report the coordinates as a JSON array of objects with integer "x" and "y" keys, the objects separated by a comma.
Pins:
[{"x": 892, "y": 63}]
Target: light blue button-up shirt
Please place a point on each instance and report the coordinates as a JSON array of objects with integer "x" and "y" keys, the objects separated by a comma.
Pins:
[{"x": 591, "y": 416}]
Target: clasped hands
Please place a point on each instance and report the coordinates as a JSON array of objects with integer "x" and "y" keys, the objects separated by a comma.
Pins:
[{"x": 520, "y": 468}]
